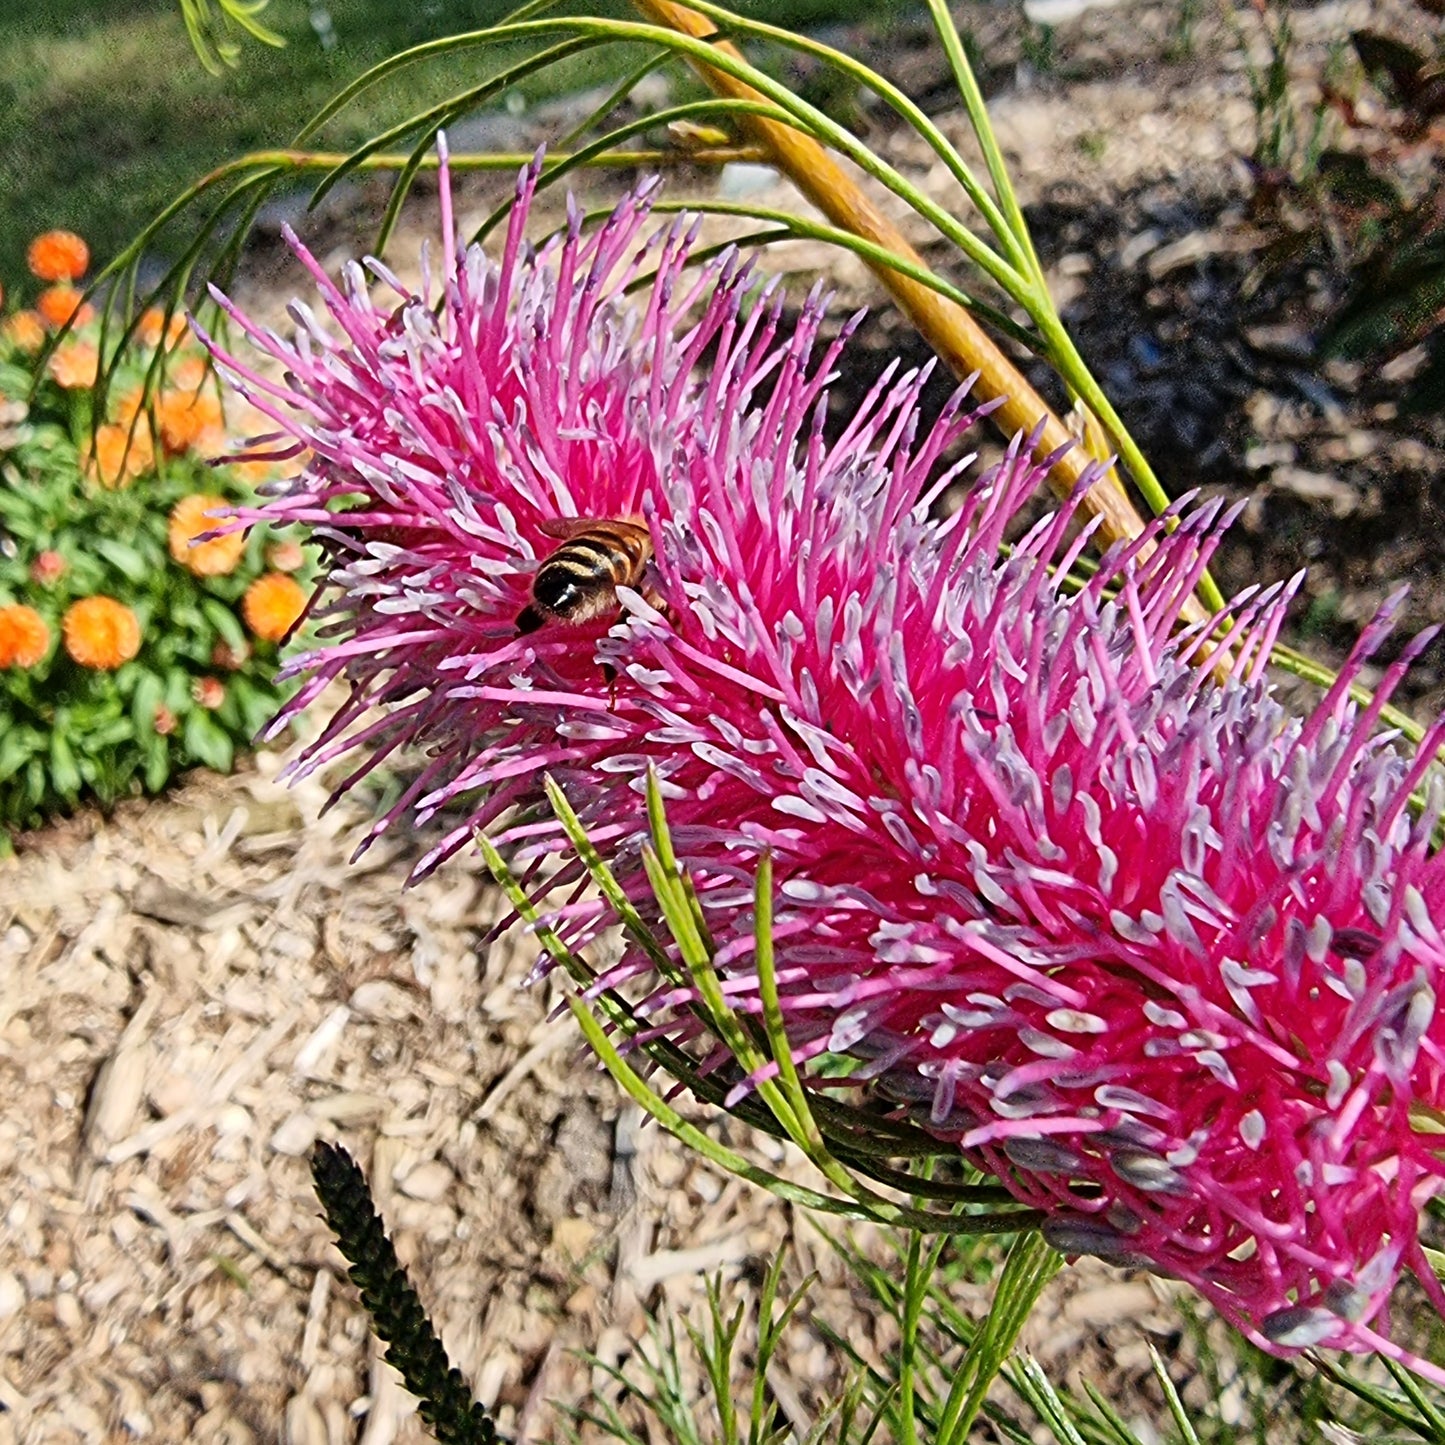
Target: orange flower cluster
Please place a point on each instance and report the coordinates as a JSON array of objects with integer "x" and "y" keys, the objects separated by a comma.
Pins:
[
  {"x": 100, "y": 632},
  {"x": 57, "y": 304},
  {"x": 272, "y": 606},
  {"x": 24, "y": 637},
  {"x": 189, "y": 421},
  {"x": 129, "y": 405},
  {"x": 119, "y": 453},
  {"x": 189, "y": 520},
  {"x": 75, "y": 364},
  {"x": 58, "y": 256},
  {"x": 152, "y": 328},
  {"x": 25, "y": 331}
]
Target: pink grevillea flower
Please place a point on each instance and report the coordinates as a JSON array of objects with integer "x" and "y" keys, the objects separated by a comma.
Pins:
[{"x": 1160, "y": 956}]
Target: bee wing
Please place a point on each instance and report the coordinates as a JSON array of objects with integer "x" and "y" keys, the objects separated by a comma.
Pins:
[{"x": 565, "y": 527}]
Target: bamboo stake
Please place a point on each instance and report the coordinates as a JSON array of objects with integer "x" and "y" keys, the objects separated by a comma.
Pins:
[{"x": 957, "y": 338}]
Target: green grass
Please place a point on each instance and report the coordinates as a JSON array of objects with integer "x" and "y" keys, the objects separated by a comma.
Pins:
[{"x": 106, "y": 114}]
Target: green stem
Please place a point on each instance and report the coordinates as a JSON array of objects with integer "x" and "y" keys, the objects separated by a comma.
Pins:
[
  {"x": 1031, "y": 1265},
  {"x": 907, "y": 109},
  {"x": 973, "y": 103}
]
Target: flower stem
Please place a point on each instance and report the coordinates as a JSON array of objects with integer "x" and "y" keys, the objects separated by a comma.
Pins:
[{"x": 957, "y": 338}]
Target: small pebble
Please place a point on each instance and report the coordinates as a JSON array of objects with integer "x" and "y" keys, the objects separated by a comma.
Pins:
[
  {"x": 12, "y": 1295},
  {"x": 428, "y": 1181},
  {"x": 294, "y": 1135},
  {"x": 382, "y": 1000}
]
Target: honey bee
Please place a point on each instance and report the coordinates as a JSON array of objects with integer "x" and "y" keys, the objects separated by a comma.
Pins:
[{"x": 578, "y": 582}]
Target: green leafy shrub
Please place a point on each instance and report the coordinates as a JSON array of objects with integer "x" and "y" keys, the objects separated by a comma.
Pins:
[{"x": 126, "y": 652}]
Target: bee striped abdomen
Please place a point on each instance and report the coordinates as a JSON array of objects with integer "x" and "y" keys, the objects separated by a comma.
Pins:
[{"x": 579, "y": 581}]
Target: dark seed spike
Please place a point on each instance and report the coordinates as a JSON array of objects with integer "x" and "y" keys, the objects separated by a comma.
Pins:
[{"x": 397, "y": 1315}]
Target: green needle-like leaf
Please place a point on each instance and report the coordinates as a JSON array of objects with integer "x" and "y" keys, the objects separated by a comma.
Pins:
[
  {"x": 552, "y": 173},
  {"x": 1031, "y": 1265},
  {"x": 1171, "y": 1398},
  {"x": 426, "y": 123}
]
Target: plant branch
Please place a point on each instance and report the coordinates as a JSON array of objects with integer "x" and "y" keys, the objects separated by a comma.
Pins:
[{"x": 950, "y": 330}]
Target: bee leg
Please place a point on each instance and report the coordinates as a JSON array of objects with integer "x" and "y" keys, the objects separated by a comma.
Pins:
[
  {"x": 609, "y": 674},
  {"x": 655, "y": 600},
  {"x": 529, "y": 620}
]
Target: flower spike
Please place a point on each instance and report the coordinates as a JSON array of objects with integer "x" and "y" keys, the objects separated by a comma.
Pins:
[{"x": 1160, "y": 956}]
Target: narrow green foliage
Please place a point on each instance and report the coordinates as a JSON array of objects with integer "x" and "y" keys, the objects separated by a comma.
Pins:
[
  {"x": 396, "y": 1313},
  {"x": 803, "y": 228},
  {"x": 1276, "y": 146},
  {"x": 716, "y": 1351},
  {"x": 1030, "y": 1266},
  {"x": 916, "y": 1289},
  {"x": 1115, "y": 1428},
  {"x": 620, "y": 136},
  {"x": 1430, "y": 1411},
  {"x": 1001, "y": 254},
  {"x": 606, "y": 882},
  {"x": 849, "y": 1144},
  {"x": 918, "y": 1270},
  {"x": 662, "y": 1393},
  {"x": 735, "y": 1348},
  {"x": 214, "y": 33},
  {"x": 425, "y": 124},
  {"x": 1029, "y": 1380},
  {"x": 1171, "y": 1398},
  {"x": 771, "y": 1328},
  {"x": 1393, "y": 1406}
]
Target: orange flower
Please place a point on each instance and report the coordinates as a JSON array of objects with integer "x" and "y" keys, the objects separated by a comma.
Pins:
[
  {"x": 129, "y": 405},
  {"x": 152, "y": 328},
  {"x": 75, "y": 364},
  {"x": 188, "y": 374},
  {"x": 57, "y": 304},
  {"x": 272, "y": 605},
  {"x": 25, "y": 331},
  {"x": 213, "y": 558},
  {"x": 188, "y": 418},
  {"x": 119, "y": 454},
  {"x": 253, "y": 472},
  {"x": 58, "y": 256},
  {"x": 24, "y": 637},
  {"x": 100, "y": 632}
]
